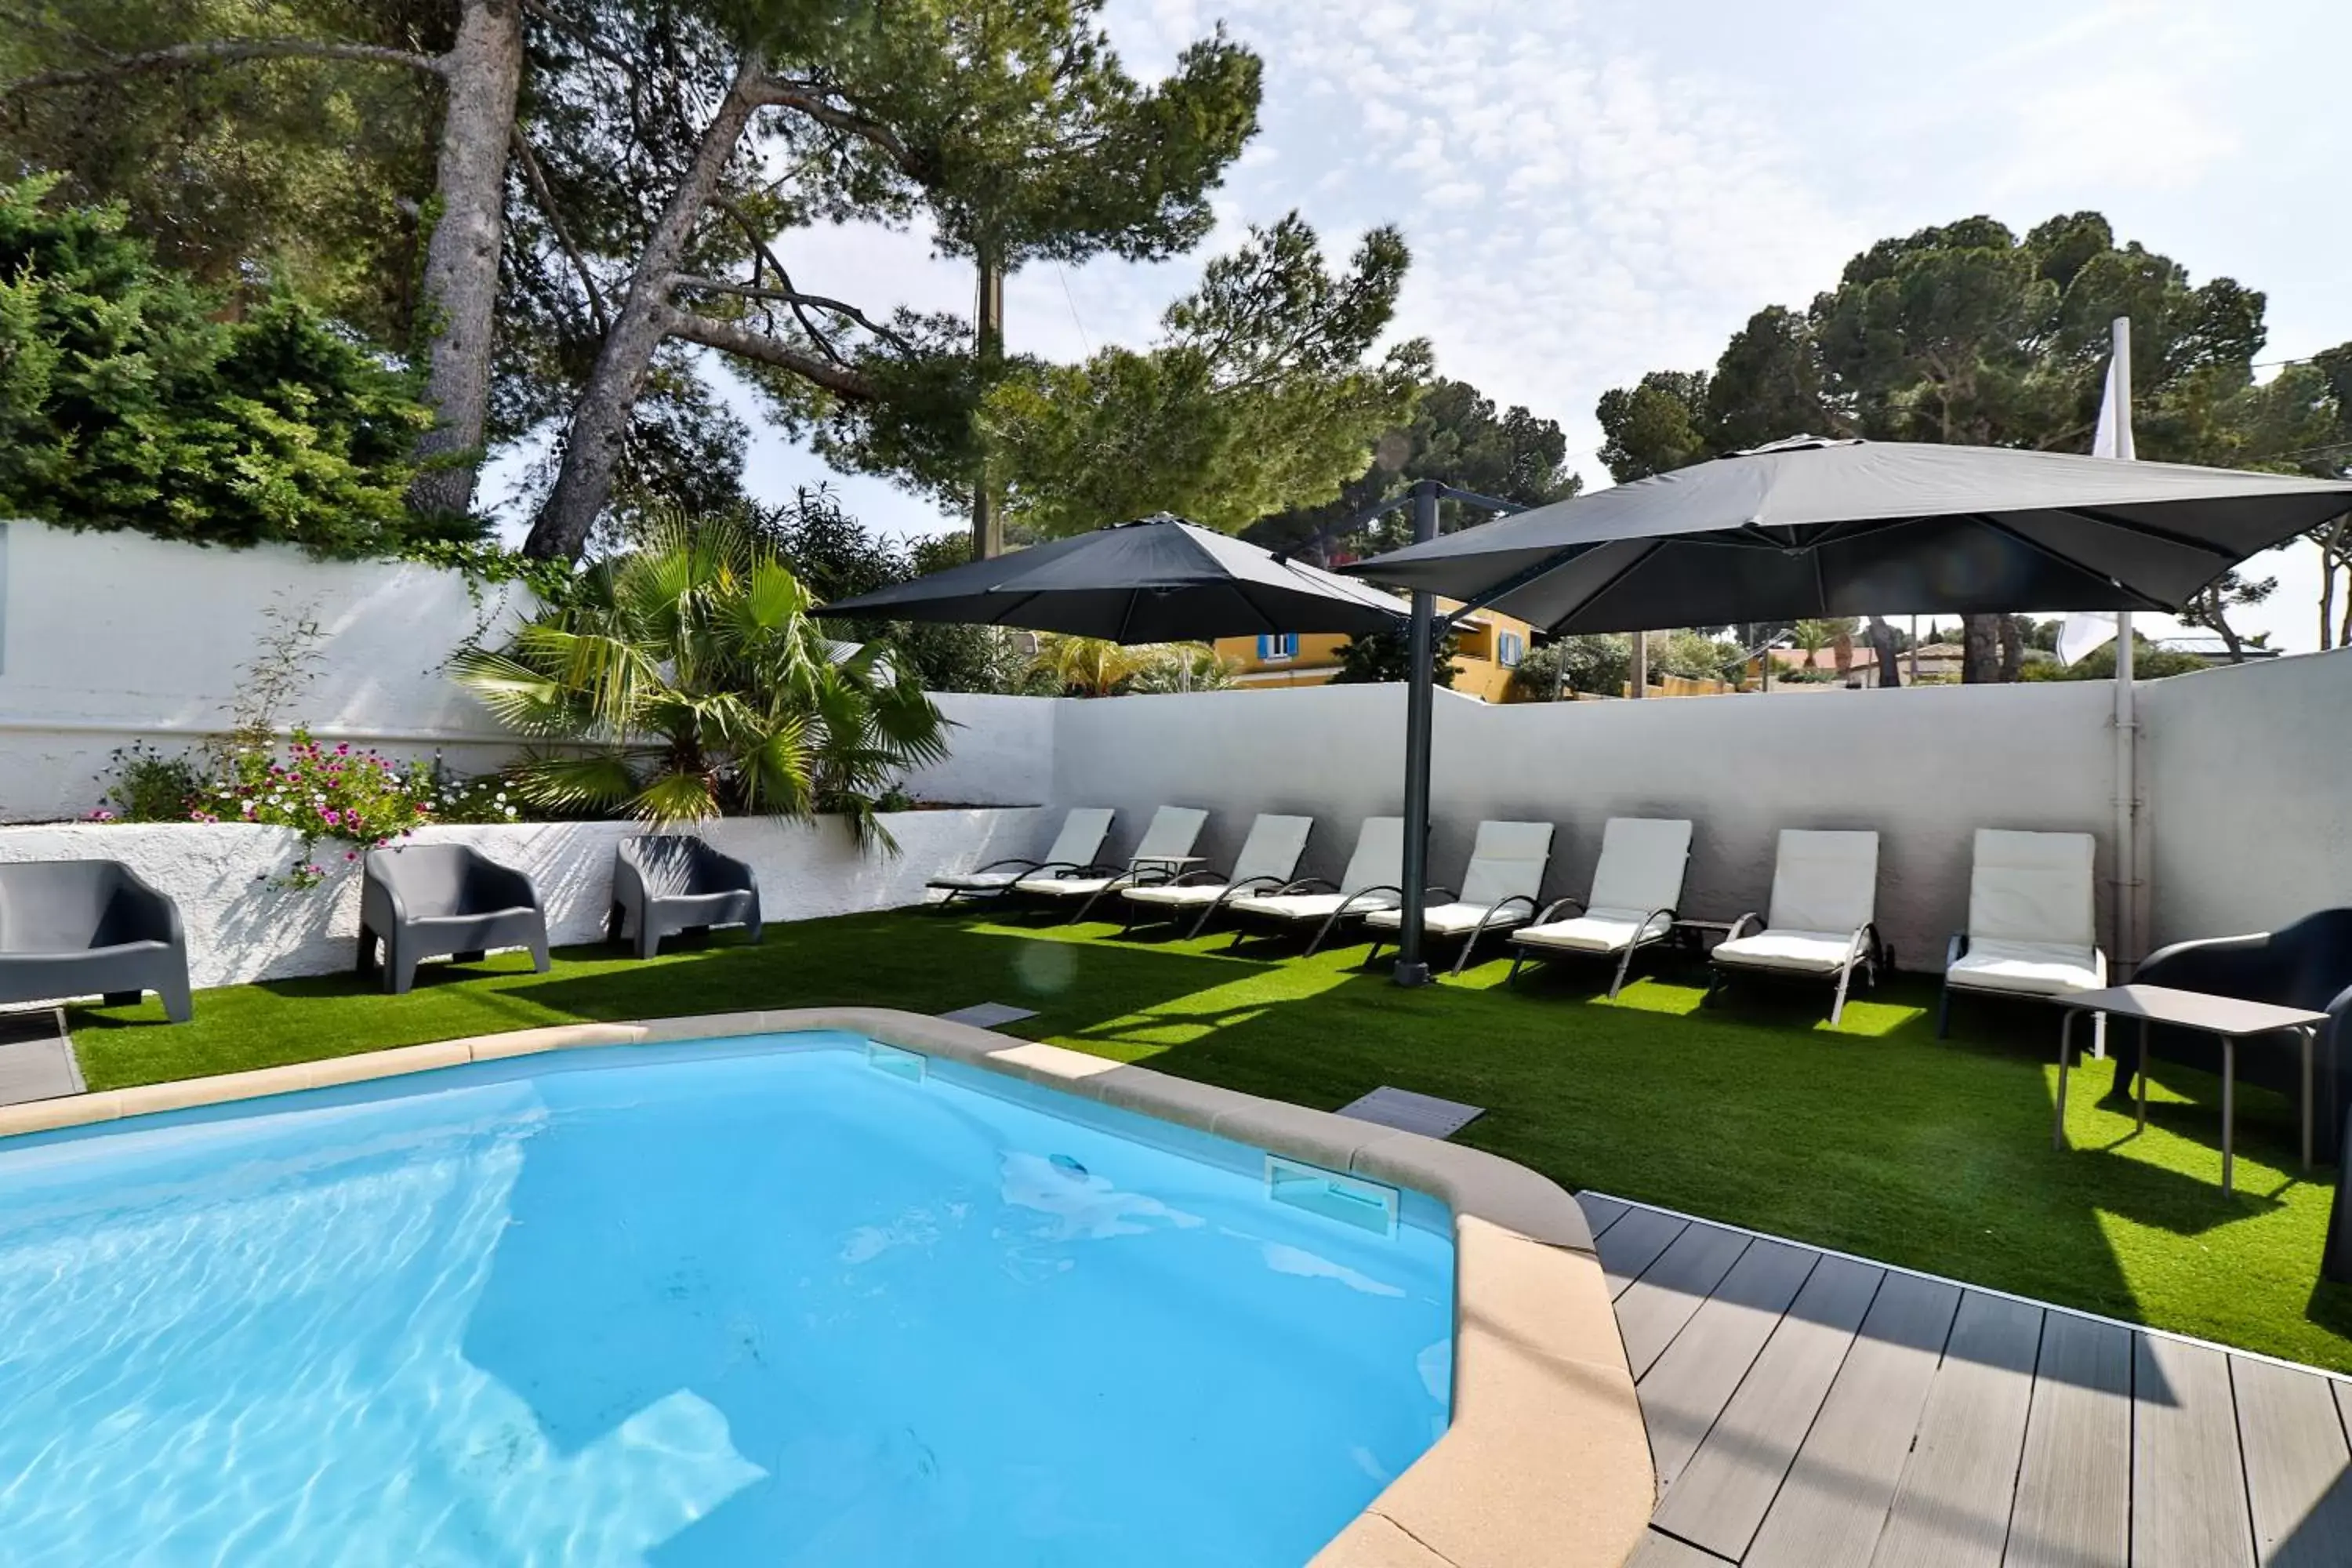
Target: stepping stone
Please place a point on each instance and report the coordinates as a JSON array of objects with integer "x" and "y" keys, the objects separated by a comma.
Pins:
[
  {"x": 36, "y": 1060},
  {"x": 1409, "y": 1112},
  {"x": 989, "y": 1014}
]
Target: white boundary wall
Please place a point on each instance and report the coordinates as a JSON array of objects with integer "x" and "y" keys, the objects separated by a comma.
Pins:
[
  {"x": 108, "y": 639},
  {"x": 242, "y": 926}
]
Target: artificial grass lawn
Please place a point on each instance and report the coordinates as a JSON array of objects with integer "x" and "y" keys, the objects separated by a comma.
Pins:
[{"x": 1874, "y": 1138}]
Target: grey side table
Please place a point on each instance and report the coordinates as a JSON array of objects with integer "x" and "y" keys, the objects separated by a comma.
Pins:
[{"x": 2227, "y": 1019}]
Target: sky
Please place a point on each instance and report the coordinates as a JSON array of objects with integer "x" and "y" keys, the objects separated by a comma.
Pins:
[{"x": 1596, "y": 190}]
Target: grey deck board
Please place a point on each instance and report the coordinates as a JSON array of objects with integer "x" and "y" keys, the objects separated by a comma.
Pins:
[
  {"x": 1811, "y": 1410},
  {"x": 1833, "y": 1505},
  {"x": 1661, "y": 1550},
  {"x": 1633, "y": 1243},
  {"x": 2292, "y": 1435},
  {"x": 1723, "y": 1493},
  {"x": 1687, "y": 1387},
  {"x": 2073, "y": 1480},
  {"x": 1599, "y": 1212},
  {"x": 1652, "y": 1310},
  {"x": 2188, "y": 1493},
  {"x": 1952, "y": 1507}
]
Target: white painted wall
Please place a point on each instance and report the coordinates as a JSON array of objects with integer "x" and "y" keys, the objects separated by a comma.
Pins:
[
  {"x": 2247, "y": 773},
  {"x": 106, "y": 639},
  {"x": 243, "y": 928},
  {"x": 1925, "y": 766}
]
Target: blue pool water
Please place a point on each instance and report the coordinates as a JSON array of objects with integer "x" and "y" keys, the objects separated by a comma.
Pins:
[{"x": 752, "y": 1302}]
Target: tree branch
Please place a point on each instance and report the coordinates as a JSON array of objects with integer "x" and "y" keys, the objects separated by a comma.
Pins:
[
  {"x": 730, "y": 338},
  {"x": 788, "y": 296},
  {"x": 760, "y": 252},
  {"x": 224, "y": 51},
  {"x": 584, "y": 36},
  {"x": 537, "y": 177},
  {"x": 807, "y": 100}
]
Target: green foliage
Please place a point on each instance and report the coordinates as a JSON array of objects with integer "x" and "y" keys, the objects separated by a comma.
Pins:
[
  {"x": 1596, "y": 662},
  {"x": 358, "y": 798},
  {"x": 485, "y": 562},
  {"x": 836, "y": 558},
  {"x": 126, "y": 402},
  {"x": 2149, "y": 662},
  {"x": 1381, "y": 657},
  {"x": 1260, "y": 396},
  {"x": 1694, "y": 656},
  {"x": 688, "y": 678},
  {"x": 1181, "y": 666},
  {"x": 1457, "y": 437},
  {"x": 150, "y": 786}
]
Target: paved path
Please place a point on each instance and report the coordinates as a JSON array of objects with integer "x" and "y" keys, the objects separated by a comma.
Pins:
[{"x": 1809, "y": 1410}]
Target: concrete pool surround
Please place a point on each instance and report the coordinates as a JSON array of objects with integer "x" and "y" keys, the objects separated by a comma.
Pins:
[{"x": 1546, "y": 1463}]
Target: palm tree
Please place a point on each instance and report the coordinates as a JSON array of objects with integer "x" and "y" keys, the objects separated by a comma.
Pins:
[
  {"x": 1088, "y": 667},
  {"x": 687, "y": 679}
]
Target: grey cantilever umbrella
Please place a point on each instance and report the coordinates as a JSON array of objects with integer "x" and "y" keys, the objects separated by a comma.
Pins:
[
  {"x": 1158, "y": 580},
  {"x": 1810, "y": 527}
]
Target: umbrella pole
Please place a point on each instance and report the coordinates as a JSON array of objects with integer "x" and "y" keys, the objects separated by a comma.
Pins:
[{"x": 1420, "y": 699}]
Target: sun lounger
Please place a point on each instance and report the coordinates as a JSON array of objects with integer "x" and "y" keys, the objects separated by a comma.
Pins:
[
  {"x": 1167, "y": 844},
  {"x": 1269, "y": 857},
  {"x": 1074, "y": 847},
  {"x": 1636, "y": 889},
  {"x": 1499, "y": 889},
  {"x": 2030, "y": 932},
  {"x": 1374, "y": 880},
  {"x": 1821, "y": 922}
]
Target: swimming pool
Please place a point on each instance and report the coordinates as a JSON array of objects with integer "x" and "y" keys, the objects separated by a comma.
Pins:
[{"x": 794, "y": 1301}]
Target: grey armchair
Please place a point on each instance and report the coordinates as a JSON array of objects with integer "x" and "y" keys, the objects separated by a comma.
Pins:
[
  {"x": 666, "y": 884},
  {"x": 82, "y": 927},
  {"x": 423, "y": 901},
  {"x": 2305, "y": 964}
]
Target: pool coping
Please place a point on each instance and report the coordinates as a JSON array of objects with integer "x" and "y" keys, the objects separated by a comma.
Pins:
[{"x": 1546, "y": 1463}]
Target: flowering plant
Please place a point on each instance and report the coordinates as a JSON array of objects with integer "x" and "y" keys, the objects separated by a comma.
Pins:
[{"x": 360, "y": 798}]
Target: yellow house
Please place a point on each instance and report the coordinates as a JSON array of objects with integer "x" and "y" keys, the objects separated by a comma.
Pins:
[{"x": 1487, "y": 648}]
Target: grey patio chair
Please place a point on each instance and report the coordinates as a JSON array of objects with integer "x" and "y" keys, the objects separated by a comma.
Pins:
[
  {"x": 89, "y": 928},
  {"x": 671, "y": 883},
  {"x": 1636, "y": 888},
  {"x": 1499, "y": 888},
  {"x": 1084, "y": 827},
  {"x": 2307, "y": 963},
  {"x": 425, "y": 901},
  {"x": 1268, "y": 859},
  {"x": 1823, "y": 923}
]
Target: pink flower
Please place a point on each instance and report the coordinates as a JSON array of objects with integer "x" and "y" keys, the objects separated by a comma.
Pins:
[
  {"x": 330, "y": 816},
  {"x": 351, "y": 854}
]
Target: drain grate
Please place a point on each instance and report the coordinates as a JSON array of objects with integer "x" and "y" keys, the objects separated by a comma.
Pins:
[{"x": 1409, "y": 1112}]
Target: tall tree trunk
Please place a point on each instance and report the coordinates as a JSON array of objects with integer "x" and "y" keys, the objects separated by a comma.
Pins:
[
  {"x": 988, "y": 345},
  {"x": 600, "y": 420},
  {"x": 484, "y": 73},
  {"x": 1979, "y": 650},
  {"x": 1882, "y": 643},
  {"x": 2331, "y": 545},
  {"x": 2012, "y": 649}
]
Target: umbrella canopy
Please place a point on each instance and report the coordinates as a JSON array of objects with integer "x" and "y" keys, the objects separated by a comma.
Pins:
[
  {"x": 1158, "y": 580},
  {"x": 1812, "y": 527}
]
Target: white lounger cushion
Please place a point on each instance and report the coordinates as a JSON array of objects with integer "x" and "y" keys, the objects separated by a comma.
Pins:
[
  {"x": 1308, "y": 906},
  {"x": 1172, "y": 831},
  {"x": 1271, "y": 850},
  {"x": 2032, "y": 887},
  {"x": 1084, "y": 827},
  {"x": 1643, "y": 860},
  {"x": 2028, "y": 968},
  {"x": 1824, "y": 881},
  {"x": 1604, "y": 932},
  {"x": 1451, "y": 920},
  {"x": 1506, "y": 861},
  {"x": 1378, "y": 862},
  {"x": 1798, "y": 951}
]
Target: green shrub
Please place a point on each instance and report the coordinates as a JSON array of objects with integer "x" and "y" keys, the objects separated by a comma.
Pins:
[
  {"x": 148, "y": 786},
  {"x": 130, "y": 397}
]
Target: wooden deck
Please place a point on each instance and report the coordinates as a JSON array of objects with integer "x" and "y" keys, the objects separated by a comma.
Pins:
[{"x": 1809, "y": 1410}]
